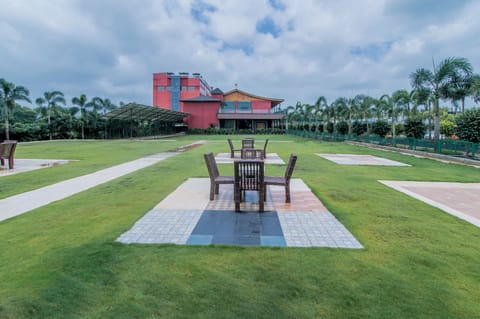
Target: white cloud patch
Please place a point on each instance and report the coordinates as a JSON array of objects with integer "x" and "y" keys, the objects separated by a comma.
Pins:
[{"x": 297, "y": 50}]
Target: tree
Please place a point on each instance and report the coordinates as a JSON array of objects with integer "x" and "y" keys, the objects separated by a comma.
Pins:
[
  {"x": 439, "y": 81},
  {"x": 468, "y": 125},
  {"x": 475, "y": 88},
  {"x": 9, "y": 95},
  {"x": 50, "y": 101},
  {"x": 83, "y": 105},
  {"x": 105, "y": 105}
]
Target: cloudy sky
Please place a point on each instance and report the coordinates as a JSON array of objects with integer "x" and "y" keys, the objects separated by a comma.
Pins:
[{"x": 292, "y": 49}]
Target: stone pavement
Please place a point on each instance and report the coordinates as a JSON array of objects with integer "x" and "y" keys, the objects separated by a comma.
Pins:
[
  {"x": 458, "y": 199},
  {"x": 22, "y": 203},
  {"x": 187, "y": 216},
  {"x": 357, "y": 159},
  {"x": 25, "y": 165}
]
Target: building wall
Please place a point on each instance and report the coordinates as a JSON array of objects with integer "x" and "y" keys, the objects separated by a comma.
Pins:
[
  {"x": 202, "y": 114},
  {"x": 189, "y": 87}
]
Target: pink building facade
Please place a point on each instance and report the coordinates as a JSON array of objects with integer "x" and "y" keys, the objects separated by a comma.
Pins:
[{"x": 208, "y": 107}]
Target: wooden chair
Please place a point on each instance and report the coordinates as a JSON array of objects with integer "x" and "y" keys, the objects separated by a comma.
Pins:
[
  {"x": 233, "y": 149},
  {"x": 215, "y": 178},
  {"x": 249, "y": 176},
  {"x": 253, "y": 153},
  {"x": 282, "y": 180},
  {"x": 248, "y": 143},
  {"x": 265, "y": 149},
  {"x": 7, "y": 150}
]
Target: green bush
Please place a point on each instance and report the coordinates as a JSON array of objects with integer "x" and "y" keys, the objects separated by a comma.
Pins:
[
  {"x": 414, "y": 128},
  {"x": 468, "y": 125},
  {"x": 359, "y": 128},
  {"x": 380, "y": 128},
  {"x": 447, "y": 127},
  {"x": 342, "y": 127}
]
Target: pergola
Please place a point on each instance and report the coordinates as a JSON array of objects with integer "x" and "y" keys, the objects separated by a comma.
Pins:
[{"x": 139, "y": 112}]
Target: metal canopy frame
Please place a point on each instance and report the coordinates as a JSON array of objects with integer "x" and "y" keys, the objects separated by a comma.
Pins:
[{"x": 134, "y": 111}]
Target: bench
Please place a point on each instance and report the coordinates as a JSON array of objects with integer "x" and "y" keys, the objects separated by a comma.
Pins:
[{"x": 7, "y": 149}]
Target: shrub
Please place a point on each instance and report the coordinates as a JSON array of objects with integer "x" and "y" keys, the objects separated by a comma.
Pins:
[
  {"x": 330, "y": 127},
  {"x": 342, "y": 127},
  {"x": 359, "y": 128},
  {"x": 380, "y": 128},
  {"x": 447, "y": 127},
  {"x": 468, "y": 125},
  {"x": 414, "y": 127}
]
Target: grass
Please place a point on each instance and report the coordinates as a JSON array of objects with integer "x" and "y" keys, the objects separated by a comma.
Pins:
[{"x": 61, "y": 261}]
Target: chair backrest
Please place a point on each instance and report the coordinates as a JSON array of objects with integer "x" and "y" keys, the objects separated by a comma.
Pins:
[
  {"x": 230, "y": 144},
  {"x": 253, "y": 153},
  {"x": 7, "y": 148},
  {"x": 211, "y": 165},
  {"x": 249, "y": 175},
  {"x": 265, "y": 147},
  {"x": 291, "y": 165},
  {"x": 248, "y": 143}
]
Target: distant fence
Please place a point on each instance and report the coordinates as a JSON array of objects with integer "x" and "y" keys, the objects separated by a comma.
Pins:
[{"x": 455, "y": 148}]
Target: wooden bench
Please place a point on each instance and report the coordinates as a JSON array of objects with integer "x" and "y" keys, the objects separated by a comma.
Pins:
[{"x": 7, "y": 149}]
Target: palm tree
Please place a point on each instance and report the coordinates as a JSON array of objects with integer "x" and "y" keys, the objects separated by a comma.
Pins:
[
  {"x": 9, "y": 95},
  {"x": 475, "y": 88},
  {"x": 440, "y": 81},
  {"x": 83, "y": 105},
  {"x": 387, "y": 103},
  {"x": 50, "y": 101},
  {"x": 320, "y": 106},
  {"x": 105, "y": 105}
]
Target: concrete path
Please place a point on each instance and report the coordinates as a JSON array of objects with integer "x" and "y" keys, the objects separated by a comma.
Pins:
[{"x": 22, "y": 203}]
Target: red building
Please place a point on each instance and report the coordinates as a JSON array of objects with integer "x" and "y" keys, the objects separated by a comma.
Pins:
[{"x": 209, "y": 107}]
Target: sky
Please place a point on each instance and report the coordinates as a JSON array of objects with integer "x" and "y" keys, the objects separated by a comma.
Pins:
[{"x": 296, "y": 50}]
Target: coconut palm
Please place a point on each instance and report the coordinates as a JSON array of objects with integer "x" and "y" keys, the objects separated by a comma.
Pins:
[
  {"x": 50, "y": 101},
  {"x": 104, "y": 105},
  {"x": 9, "y": 95},
  {"x": 475, "y": 88},
  {"x": 83, "y": 104},
  {"x": 440, "y": 81}
]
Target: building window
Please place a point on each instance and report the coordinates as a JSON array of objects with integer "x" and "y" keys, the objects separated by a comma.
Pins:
[
  {"x": 160, "y": 88},
  {"x": 191, "y": 88},
  {"x": 244, "y": 106},
  {"x": 228, "y": 107}
]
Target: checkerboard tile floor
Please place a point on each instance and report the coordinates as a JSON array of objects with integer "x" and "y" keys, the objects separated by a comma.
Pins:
[{"x": 305, "y": 222}]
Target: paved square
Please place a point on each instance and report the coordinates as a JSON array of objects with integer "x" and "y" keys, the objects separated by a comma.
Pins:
[
  {"x": 458, "y": 199},
  {"x": 187, "y": 216},
  {"x": 356, "y": 159},
  {"x": 25, "y": 165}
]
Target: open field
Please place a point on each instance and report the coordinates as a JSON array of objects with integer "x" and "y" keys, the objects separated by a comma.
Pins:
[{"x": 61, "y": 261}]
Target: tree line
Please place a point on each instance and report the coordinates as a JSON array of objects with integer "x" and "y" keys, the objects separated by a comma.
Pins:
[
  {"x": 403, "y": 111},
  {"x": 52, "y": 118}
]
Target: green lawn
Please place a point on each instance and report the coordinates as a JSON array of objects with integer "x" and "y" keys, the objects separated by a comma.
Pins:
[{"x": 61, "y": 261}]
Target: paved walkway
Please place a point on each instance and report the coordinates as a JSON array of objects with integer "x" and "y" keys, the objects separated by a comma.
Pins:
[{"x": 22, "y": 203}]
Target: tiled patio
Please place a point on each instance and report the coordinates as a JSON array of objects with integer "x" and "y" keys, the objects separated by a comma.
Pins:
[
  {"x": 187, "y": 216},
  {"x": 458, "y": 199},
  {"x": 356, "y": 159}
]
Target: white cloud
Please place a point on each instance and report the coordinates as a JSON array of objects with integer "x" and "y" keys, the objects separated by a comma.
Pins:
[{"x": 332, "y": 48}]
